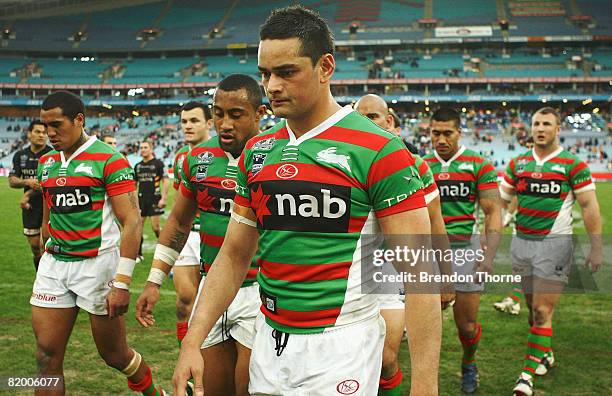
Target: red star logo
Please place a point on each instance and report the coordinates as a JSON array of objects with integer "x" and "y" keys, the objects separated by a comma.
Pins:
[
  {"x": 259, "y": 203},
  {"x": 205, "y": 200},
  {"x": 521, "y": 185}
]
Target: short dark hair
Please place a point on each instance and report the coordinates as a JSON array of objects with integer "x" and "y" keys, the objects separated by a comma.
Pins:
[
  {"x": 307, "y": 25},
  {"x": 396, "y": 119},
  {"x": 149, "y": 142},
  {"x": 35, "y": 121},
  {"x": 70, "y": 103},
  {"x": 107, "y": 134},
  {"x": 411, "y": 147},
  {"x": 445, "y": 114},
  {"x": 236, "y": 82},
  {"x": 197, "y": 105},
  {"x": 549, "y": 110}
]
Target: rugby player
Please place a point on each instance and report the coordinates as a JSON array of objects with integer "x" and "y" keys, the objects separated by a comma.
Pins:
[
  {"x": 23, "y": 175},
  {"x": 196, "y": 124},
  {"x": 466, "y": 181},
  {"x": 309, "y": 191},
  {"x": 209, "y": 181},
  {"x": 392, "y": 306},
  {"x": 110, "y": 140},
  {"x": 152, "y": 188},
  {"x": 547, "y": 180},
  {"x": 87, "y": 187}
]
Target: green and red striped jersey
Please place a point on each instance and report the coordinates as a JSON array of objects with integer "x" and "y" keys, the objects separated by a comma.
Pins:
[
  {"x": 546, "y": 190},
  {"x": 459, "y": 181},
  {"x": 177, "y": 166},
  {"x": 76, "y": 191},
  {"x": 177, "y": 176},
  {"x": 429, "y": 185},
  {"x": 317, "y": 199},
  {"x": 209, "y": 176}
]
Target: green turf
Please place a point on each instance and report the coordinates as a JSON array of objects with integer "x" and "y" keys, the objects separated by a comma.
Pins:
[{"x": 582, "y": 342}]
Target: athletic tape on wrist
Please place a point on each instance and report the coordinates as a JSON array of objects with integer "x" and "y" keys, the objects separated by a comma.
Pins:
[
  {"x": 241, "y": 219},
  {"x": 125, "y": 269},
  {"x": 165, "y": 254},
  {"x": 121, "y": 285},
  {"x": 156, "y": 276},
  {"x": 132, "y": 368}
]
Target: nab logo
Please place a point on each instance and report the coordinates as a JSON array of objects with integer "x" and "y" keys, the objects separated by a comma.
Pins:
[
  {"x": 538, "y": 188},
  {"x": 71, "y": 199},
  {"x": 454, "y": 190},
  {"x": 287, "y": 171},
  {"x": 303, "y": 206}
]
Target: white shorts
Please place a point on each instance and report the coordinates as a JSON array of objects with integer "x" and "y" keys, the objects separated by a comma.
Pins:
[
  {"x": 190, "y": 255},
  {"x": 463, "y": 266},
  {"x": 342, "y": 361},
  {"x": 392, "y": 301},
  {"x": 238, "y": 322},
  {"x": 86, "y": 283},
  {"x": 550, "y": 258}
]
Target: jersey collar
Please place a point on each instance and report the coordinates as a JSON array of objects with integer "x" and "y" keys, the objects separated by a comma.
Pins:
[
  {"x": 83, "y": 147},
  {"x": 541, "y": 161},
  {"x": 451, "y": 159},
  {"x": 322, "y": 127},
  {"x": 232, "y": 161}
]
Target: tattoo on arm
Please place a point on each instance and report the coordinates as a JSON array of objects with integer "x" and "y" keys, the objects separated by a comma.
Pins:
[
  {"x": 492, "y": 193},
  {"x": 133, "y": 200},
  {"x": 178, "y": 240}
]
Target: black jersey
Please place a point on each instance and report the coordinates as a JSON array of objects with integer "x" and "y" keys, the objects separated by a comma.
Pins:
[
  {"x": 25, "y": 165},
  {"x": 149, "y": 175}
]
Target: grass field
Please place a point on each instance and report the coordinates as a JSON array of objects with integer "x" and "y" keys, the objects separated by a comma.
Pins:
[{"x": 581, "y": 341}]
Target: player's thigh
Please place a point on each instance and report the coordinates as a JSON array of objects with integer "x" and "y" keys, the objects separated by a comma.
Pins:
[
  {"x": 546, "y": 292},
  {"x": 243, "y": 357},
  {"x": 395, "y": 323},
  {"x": 186, "y": 280},
  {"x": 219, "y": 368},
  {"x": 466, "y": 306},
  {"x": 52, "y": 328},
  {"x": 109, "y": 335}
]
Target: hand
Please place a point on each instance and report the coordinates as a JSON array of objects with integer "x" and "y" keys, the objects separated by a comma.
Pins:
[
  {"x": 25, "y": 202},
  {"x": 190, "y": 365},
  {"x": 162, "y": 203},
  {"x": 117, "y": 302},
  {"x": 33, "y": 184},
  {"x": 145, "y": 304},
  {"x": 447, "y": 295},
  {"x": 481, "y": 267},
  {"x": 594, "y": 260}
]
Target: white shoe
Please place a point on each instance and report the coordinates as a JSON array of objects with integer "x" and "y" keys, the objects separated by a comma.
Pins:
[
  {"x": 139, "y": 259},
  {"x": 548, "y": 362},
  {"x": 508, "y": 305},
  {"x": 524, "y": 386}
]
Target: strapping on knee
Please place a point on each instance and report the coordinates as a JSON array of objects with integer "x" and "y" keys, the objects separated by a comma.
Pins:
[{"x": 133, "y": 366}]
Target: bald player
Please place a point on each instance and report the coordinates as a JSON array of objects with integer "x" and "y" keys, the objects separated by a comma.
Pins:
[{"x": 392, "y": 305}]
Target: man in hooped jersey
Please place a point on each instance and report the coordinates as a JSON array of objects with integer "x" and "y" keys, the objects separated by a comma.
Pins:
[
  {"x": 309, "y": 191},
  {"x": 547, "y": 180},
  {"x": 23, "y": 175},
  {"x": 466, "y": 181},
  {"x": 87, "y": 187},
  {"x": 196, "y": 124},
  {"x": 392, "y": 305},
  {"x": 208, "y": 184}
]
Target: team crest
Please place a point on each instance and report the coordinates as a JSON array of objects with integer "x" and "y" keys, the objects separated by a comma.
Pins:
[
  {"x": 206, "y": 158},
  {"x": 264, "y": 145},
  {"x": 201, "y": 173},
  {"x": 329, "y": 155},
  {"x": 258, "y": 162},
  {"x": 49, "y": 162},
  {"x": 520, "y": 165}
]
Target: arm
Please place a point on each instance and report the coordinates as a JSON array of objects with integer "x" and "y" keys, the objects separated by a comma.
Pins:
[
  {"x": 165, "y": 185},
  {"x": 222, "y": 283},
  {"x": 423, "y": 317},
  {"x": 17, "y": 182},
  {"x": 592, "y": 222},
  {"x": 25, "y": 200},
  {"x": 44, "y": 229},
  {"x": 490, "y": 202},
  {"x": 440, "y": 243},
  {"x": 125, "y": 207},
  {"x": 174, "y": 236}
]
